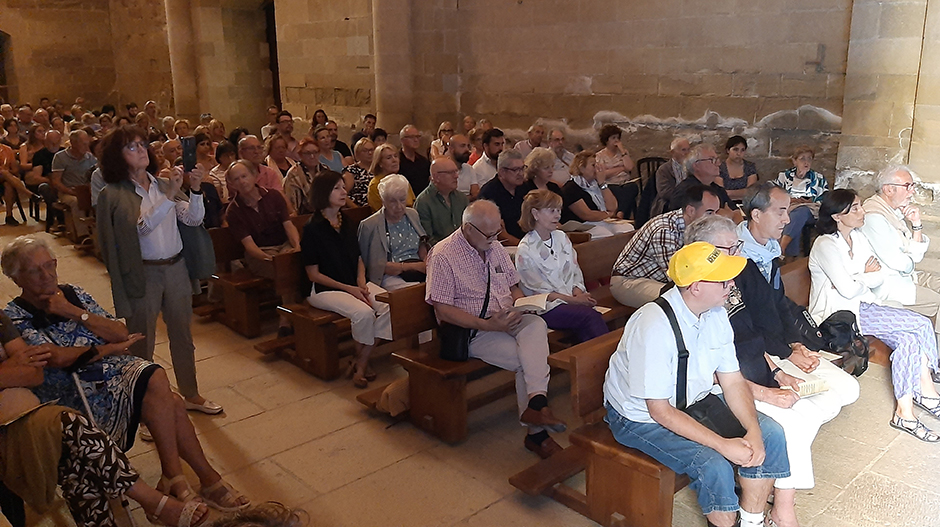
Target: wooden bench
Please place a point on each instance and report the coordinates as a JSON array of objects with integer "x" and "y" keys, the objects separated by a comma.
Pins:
[
  {"x": 596, "y": 259},
  {"x": 624, "y": 487},
  {"x": 797, "y": 281}
]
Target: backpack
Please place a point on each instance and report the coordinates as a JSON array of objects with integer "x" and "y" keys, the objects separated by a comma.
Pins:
[{"x": 840, "y": 330}]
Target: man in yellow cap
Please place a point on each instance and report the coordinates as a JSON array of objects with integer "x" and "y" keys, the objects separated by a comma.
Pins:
[{"x": 645, "y": 402}]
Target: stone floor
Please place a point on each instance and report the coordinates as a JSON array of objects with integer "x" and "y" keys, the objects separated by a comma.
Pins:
[{"x": 290, "y": 437}]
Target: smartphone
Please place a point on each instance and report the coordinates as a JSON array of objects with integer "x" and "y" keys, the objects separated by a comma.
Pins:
[{"x": 189, "y": 153}]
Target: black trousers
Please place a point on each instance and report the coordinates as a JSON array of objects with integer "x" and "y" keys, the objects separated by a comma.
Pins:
[{"x": 12, "y": 507}]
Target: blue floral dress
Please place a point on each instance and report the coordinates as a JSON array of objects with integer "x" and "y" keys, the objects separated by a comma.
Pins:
[{"x": 114, "y": 386}]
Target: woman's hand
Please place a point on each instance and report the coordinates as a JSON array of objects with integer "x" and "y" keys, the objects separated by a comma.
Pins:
[
  {"x": 581, "y": 298},
  {"x": 872, "y": 265},
  {"x": 32, "y": 357},
  {"x": 175, "y": 177},
  {"x": 361, "y": 293},
  {"x": 118, "y": 348},
  {"x": 394, "y": 269},
  {"x": 196, "y": 176},
  {"x": 57, "y": 304}
]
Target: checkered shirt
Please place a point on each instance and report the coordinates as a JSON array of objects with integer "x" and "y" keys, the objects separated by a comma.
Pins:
[{"x": 647, "y": 253}]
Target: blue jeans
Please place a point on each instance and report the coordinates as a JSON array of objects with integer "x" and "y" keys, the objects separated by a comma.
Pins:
[
  {"x": 712, "y": 475},
  {"x": 799, "y": 218}
]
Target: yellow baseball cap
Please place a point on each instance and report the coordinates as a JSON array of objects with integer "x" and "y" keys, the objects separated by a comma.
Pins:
[{"x": 701, "y": 261}]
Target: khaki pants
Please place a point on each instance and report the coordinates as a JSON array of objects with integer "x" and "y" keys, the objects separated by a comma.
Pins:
[
  {"x": 265, "y": 269},
  {"x": 634, "y": 292},
  {"x": 81, "y": 230}
]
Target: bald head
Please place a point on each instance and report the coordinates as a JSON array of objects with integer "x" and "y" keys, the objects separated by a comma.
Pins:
[
  {"x": 460, "y": 149},
  {"x": 172, "y": 150},
  {"x": 52, "y": 140},
  {"x": 483, "y": 213},
  {"x": 444, "y": 175}
]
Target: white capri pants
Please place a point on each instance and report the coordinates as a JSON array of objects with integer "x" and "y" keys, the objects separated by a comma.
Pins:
[
  {"x": 801, "y": 421},
  {"x": 368, "y": 323}
]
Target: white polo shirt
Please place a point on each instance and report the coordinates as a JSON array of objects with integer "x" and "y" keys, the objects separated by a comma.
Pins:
[
  {"x": 646, "y": 361},
  {"x": 485, "y": 170},
  {"x": 466, "y": 177}
]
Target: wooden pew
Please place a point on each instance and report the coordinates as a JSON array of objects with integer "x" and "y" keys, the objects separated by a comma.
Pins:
[
  {"x": 623, "y": 486},
  {"x": 596, "y": 259},
  {"x": 796, "y": 282}
]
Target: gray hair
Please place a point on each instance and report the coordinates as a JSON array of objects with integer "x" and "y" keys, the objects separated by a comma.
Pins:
[
  {"x": 75, "y": 134},
  {"x": 393, "y": 185},
  {"x": 697, "y": 153},
  {"x": 476, "y": 211},
  {"x": 14, "y": 254},
  {"x": 675, "y": 142},
  {"x": 407, "y": 126},
  {"x": 886, "y": 175},
  {"x": 507, "y": 155},
  {"x": 534, "y": 126},
  {"x": 758, "y": 197},
  {"x": 707, "y": 228}
]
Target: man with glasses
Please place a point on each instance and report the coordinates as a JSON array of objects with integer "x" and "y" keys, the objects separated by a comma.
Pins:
[
  {"x": 641, "y": 270},
  {"x": 703, "y": 164},
  {"x": 563, "y": 157},
  {"x": 505, "y": 190},
  {"x": 250, "y": 149},
  {"x": 644, "y": 405},
  {"x": 894, "y": 229},
  {"x": 285, "y": 129},
  {"x": 440, "y": 206},
  {"x": 461, "y": 269},
  {"x": 415, "y": 167}
]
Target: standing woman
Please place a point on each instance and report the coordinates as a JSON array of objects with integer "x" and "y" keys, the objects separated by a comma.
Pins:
[
  {"x": 737, "y": 174},
  {"x": 548, "y": 265},
  {"x": 142, "y": 248},
  {"x": 330, "y": 253}
]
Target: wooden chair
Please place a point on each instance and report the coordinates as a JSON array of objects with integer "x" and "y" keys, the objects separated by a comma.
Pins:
[
  {"x": 647, "y": 168},
  {"x": 624, "y": 487}
]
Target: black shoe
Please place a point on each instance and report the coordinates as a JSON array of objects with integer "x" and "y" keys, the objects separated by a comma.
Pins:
[
  {"x": 935, "y": 376},
  {"x": 11, "y": 221}
]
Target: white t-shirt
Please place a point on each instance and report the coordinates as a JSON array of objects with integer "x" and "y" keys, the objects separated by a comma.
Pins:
[
  {"x": 646, "y": 361},
  {"x": 485, "y": 170},
  {"x": 466, "y": 177}
]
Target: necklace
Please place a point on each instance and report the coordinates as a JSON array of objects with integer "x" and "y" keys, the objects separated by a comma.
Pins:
[
  {"x": 337, "y": 224},
  {"x": 550, "y": 245}
]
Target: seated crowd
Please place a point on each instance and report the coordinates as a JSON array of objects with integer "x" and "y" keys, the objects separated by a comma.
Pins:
[{"x": 479, "y": 221}]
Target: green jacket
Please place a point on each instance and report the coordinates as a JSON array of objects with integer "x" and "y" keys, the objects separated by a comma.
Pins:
[{"x": 118, "y": 211}]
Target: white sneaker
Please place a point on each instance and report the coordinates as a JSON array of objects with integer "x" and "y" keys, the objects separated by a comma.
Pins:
[{"x": 207, "y": 407}]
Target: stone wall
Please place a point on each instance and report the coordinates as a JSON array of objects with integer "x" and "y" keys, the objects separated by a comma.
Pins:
[
  {"x": 325, "y": 58},
  {"x": 59, "y": 49},
  {"x": 140, "y": 49}
]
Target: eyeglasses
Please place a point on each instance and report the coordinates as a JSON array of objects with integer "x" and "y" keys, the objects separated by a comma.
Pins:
[
  {"x": 907, "y": 186},
  {"x": 732, "y": 249},
  {"x": 513, "y": 170},
  {"x": 47, "y": 267},
  {"x": 411, "y": 137},
  {"x": 485, "y": 235},
  {"x": 308, "y": 152},
  {"x": 725, "y": 284},
  {"x": 447, "y": 131},
  {"x": 712, "y": 160},
  {"x": 135, "y": 146}
]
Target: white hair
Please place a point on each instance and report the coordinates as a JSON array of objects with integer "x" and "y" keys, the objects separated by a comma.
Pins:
[
  {"x": 477, "y": 211},
  {"x": 15, "y": 253},
  {"x": 675, "y": 142},
  {"x": 696, "y": 154},
  {"x": 887, "y": 175},
  {"x": 393, "y": 185},
  {"x": 707, "y": 229}
]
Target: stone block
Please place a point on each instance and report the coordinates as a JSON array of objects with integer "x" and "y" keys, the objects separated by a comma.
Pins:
[
  {"x": 866, "y": 18},
  {"x": 640, "y": 84},
  {"x": 902, "y": 19},
  {"x": 807, "y": 85},
  {"x": 899, "y": 56},
  {"x": 928, "y": 91},
  {"x": 871, "y": 118},
  {"x": 678, "y": 85},
  {"x": 607, "y": 84},
  {"x": 661, "y": 106}
]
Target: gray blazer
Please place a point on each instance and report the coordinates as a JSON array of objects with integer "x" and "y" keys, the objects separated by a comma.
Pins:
[{"x": 373, "y": 242}]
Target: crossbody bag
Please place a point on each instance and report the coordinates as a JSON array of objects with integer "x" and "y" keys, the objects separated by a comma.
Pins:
[{"x": 455, "y": 340}]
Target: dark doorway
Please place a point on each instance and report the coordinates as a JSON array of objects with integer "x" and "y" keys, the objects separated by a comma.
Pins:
[
  {"x": 271, "y": 33},
  {"x": 6, "y": 64}
]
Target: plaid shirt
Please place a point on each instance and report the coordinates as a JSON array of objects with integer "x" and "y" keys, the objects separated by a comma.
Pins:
[
  {"x": 648, "y": 251},
  {"x": 457, "y": 276}
]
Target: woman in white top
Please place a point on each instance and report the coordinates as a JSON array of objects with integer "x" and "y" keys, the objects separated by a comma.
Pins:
[
  {"x": 844, "y": 273},
  {"x": 548, "y": 265},
  {"x": 439, "y": 146}
]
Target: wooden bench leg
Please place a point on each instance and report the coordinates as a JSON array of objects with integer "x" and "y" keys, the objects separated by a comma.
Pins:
[
  {"x": 438, "y": 405},
  {"x": 619, "y": 495},
  {"x": 317, "y": 348},
  {"x": 242, "y": 311}
]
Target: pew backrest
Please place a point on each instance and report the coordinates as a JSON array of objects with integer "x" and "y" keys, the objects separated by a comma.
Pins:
[
  {"x": 796, "y": 281},
  {"x": 598, "y": 256}
]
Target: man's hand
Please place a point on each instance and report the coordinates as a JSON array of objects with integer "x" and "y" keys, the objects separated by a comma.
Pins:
[
  {"x": 756, "y": 442},
  {"x": 784, "y": 379},
  {"x": 804, "y": 358},
  {"x": 506, "y": 320},
  {"x": 737, "y": 451},
  {"x": 118, "y": 348},
  {"x": 33, "y": 356},
  {"x": 780, "y": 397},
  {"x": 912, "y": 213}
]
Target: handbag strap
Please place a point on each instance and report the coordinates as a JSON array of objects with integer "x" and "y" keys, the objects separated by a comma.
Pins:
[{"x": 683, "y": 369}]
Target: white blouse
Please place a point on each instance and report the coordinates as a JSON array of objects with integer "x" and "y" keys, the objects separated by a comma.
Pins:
[
  {"x": 839, "y": 280},
  {"x": 548, "y": 266}
]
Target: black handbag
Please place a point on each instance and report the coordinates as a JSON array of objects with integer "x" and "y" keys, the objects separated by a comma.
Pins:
[
  {"x": 710, "y": 411},
  {"x": 841, "y": 333},
  {"x": 455, "y": 340}
]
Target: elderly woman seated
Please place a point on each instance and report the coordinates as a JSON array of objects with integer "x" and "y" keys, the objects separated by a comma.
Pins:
[
  {"x": 330, "y": 253},
  {"x": 43, "y": 446},
  {"x": 548, "y": 265},
  {"x": 587, "y": 197},
  {"x": 392, "y": 241},
  {"x": 539, "y": 167},
  {"x": 385, "y": 161},
  {"x": 259, "y": 219},
  {"x": 122, "y": 390},
  {"x": 806, "y": 188}
]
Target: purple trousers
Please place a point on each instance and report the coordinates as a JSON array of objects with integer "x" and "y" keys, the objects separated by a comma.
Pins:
[{"x": 584, "y": 321}]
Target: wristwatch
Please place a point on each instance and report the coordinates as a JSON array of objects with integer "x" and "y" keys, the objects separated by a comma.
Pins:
[
  {"x": 84, "y": 316},
  {"x": 603, "y": 187}
]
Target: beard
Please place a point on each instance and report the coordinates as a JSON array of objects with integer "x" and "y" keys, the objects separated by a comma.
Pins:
[{"x": 462, "y": 158}]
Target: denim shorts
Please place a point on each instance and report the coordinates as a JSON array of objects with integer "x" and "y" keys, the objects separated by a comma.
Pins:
[{"x": 712, "y": 475}]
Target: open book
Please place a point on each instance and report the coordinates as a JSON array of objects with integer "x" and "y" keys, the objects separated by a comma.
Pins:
[{"x": 538, "y": 304}]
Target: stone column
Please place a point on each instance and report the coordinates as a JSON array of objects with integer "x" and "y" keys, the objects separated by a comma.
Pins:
[
  {"x": 391, "y": 36},
  {"x": 183, "y": 64},
  {"x": 925, "y": 137},
  {"x": 884, "y": 57}
]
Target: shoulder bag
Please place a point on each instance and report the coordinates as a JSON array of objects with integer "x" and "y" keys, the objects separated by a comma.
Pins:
[{"x": 455, "y": 340}]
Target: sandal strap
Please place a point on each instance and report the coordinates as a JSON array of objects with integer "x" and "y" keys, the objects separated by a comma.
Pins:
[
  {"x": 916, "y": 429},
  {"x": 186, "y": 515},
  {"x": 160, "y": 506}
]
